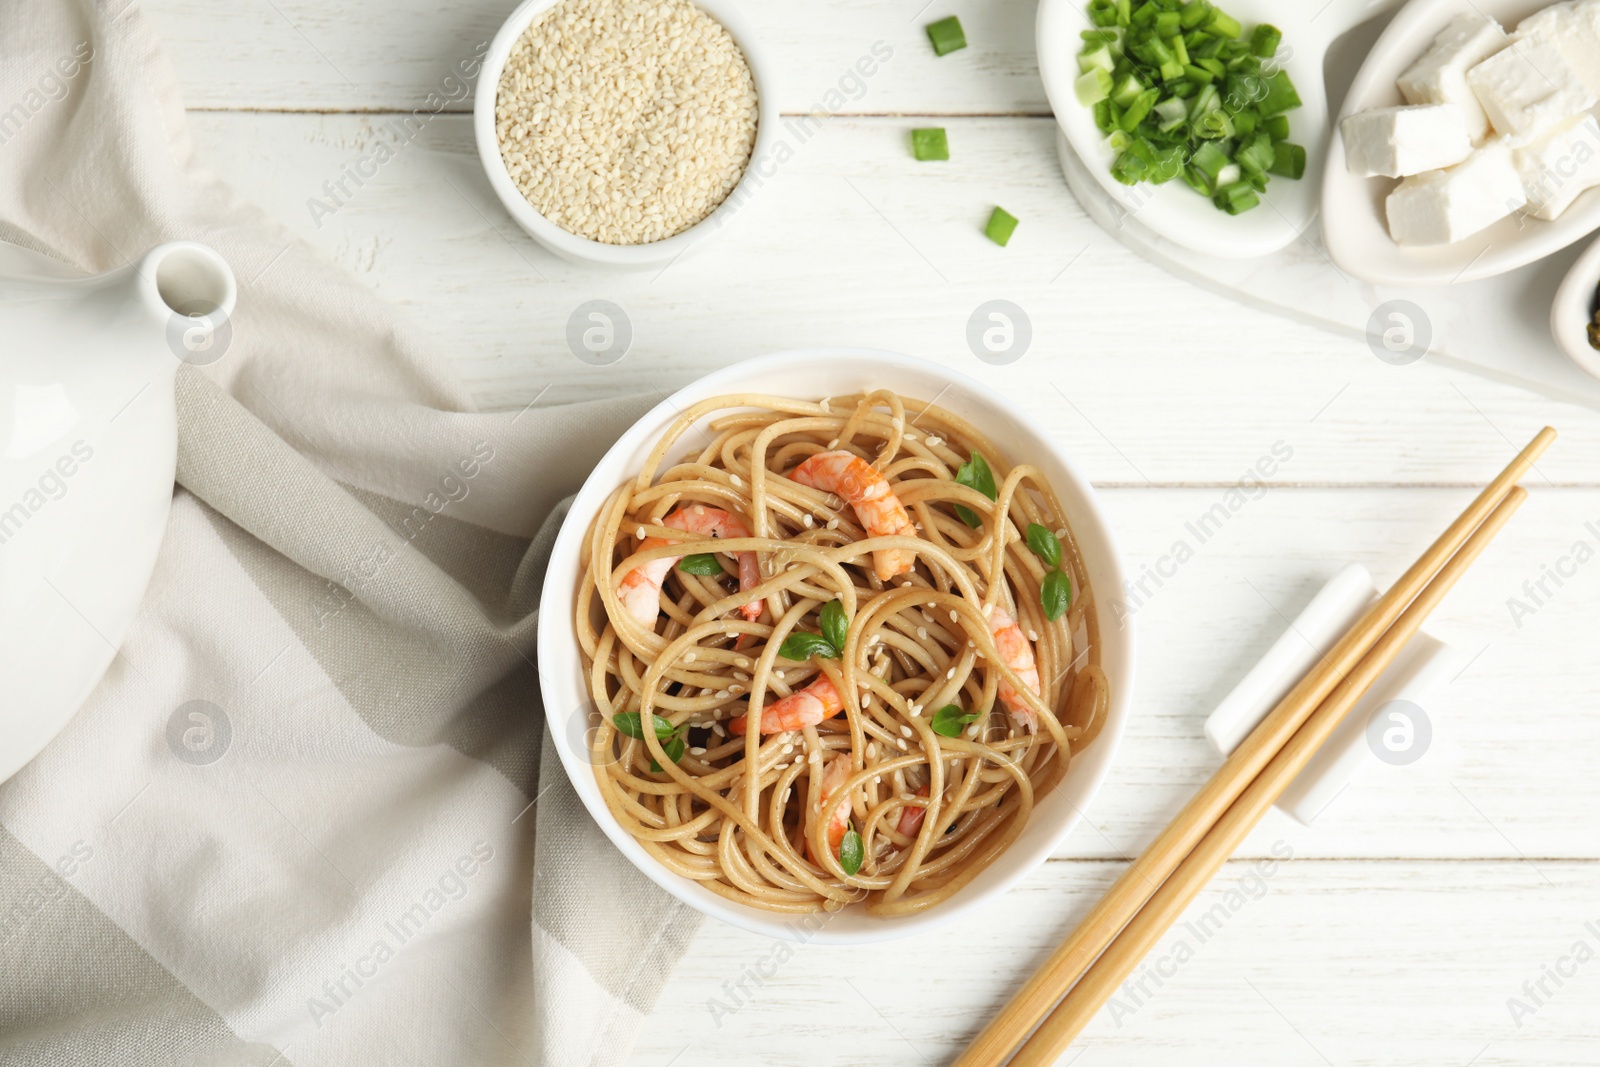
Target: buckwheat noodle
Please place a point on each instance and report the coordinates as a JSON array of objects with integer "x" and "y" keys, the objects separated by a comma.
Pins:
[{"x": 740, "y": 814}]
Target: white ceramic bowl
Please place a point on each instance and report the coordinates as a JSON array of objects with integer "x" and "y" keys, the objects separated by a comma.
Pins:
[
  {"x": 811, "y": 375},
  {"x": 1174, "y": 210},
  {"x": 569, "y": 245},
  {"x": 1355, "y": 227},
  {"x": 1571, "y": 312}
]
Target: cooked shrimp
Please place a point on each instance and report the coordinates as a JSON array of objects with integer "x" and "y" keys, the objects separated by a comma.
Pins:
[
  {"x": 1017, "y": 652},
  {"x": 835, "y": 775},
  {"x": 880, "y": 512},
  {"x": 640, "y": 591},
  {"x": 801, "y": 708},
  {"x": 911, "y": 815}
]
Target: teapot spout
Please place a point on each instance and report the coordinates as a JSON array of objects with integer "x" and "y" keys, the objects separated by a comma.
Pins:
[{"x": 190, "y": 290}]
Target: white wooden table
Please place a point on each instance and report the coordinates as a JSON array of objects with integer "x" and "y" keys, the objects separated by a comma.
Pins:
[{"x": 1424, "y": 899}]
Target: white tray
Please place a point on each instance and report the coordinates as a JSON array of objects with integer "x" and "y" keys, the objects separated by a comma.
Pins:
[{"x": 1498, "y": 327}]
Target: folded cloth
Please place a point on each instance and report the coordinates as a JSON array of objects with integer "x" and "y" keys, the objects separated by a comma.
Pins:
[{"x": 302, "y": 818}]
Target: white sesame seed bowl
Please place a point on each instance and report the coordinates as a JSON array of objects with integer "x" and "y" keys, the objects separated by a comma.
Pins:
[
  {"x": 639, "y": 227},
  {"x": 570, "y": 711}
]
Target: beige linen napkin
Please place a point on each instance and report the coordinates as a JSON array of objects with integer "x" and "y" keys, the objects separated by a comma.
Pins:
[{"x": 296, "y": 823}]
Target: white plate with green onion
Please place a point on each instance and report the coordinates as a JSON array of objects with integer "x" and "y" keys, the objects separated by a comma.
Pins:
[{"x": 1197, "y": 117}]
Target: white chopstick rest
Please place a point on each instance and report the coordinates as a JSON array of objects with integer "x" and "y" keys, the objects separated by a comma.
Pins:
[{"x": 1416, "y": 675}]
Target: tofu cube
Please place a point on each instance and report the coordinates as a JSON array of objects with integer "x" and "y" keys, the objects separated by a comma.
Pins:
[
  {"x": 1575, "y": 28},
  {"x": 1400, "y": 141},
  {"x": 1440, "y": 76},
  {"x": 1558, "y": 167},
  {"x": 1442, "y": 206},
  {"x": 1528, "y": 87}
]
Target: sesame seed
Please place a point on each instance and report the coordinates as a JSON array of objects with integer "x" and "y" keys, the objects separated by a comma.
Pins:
[
  {"x": 1033, "y": 635},
  {"x": 722, "y": 694},
  {"x": 697, "y": 752},
  {"x": 951, "y": 673},
  {"x": 809, "y": 520},
  {"x": 638, "y": 531},
  {"x": 833, "y": 524},
  {"x": 954, "y": 617},
  {"x": 922, "y": 632},
  {"x": 688, "y": 657},
  {"x": 905, "y": 731},
  {"x": 934, "y": 442},
  {"x": 735, "y": 479},
  {"x": 815, "y": 757},
  {"x": 900, "y": 743}
]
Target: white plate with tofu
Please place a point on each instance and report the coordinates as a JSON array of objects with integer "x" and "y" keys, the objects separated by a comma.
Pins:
[{"x": 1468, "y": 144}]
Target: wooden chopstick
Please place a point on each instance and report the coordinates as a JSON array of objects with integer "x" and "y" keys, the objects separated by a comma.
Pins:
[
  {"x": 1074, "y": 955},
  {"x": 1167, "y": 904}
]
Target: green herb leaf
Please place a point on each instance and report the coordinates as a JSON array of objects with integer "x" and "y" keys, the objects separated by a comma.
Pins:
[
  {"x": 835, "y": 626},
  {"x": 975, "y": 474},
  {"x": 948, "y": 720},
  {"x": 673, "y": 746},
  {"x": 1055, "y": 595},
  {"x": 800, "y": 646},
  {"x": 851, "y": 853},
  {"x": 1045, "y": 545},
  {"x": 629, "y": 723},
  {"x": 705, "y": 563}
]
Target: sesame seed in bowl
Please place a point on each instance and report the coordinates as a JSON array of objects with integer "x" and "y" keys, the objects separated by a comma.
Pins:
[{"x": 620, "y": 132}]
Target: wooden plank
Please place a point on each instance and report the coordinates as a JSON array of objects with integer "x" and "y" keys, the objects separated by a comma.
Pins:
[
  {"x": 1306, "y": 962},
  {"x": 342, "y": 55},
  {"x": 1149, "y": 380}
]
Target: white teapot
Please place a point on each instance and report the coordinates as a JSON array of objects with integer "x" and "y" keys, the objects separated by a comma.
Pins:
[{"x": 88, "y": 443}]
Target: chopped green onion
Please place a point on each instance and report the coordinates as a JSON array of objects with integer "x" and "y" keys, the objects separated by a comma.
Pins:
[
  {"x": 1097, "y": 57},
  {"x": 1289, "y": 160},
  {"x": 1139, "y": 109},
  {"x": 1193, "y": 14},
  {"x": 1264, "y": 41},
  {"x": 1002, "y": 224},
  {"x": 931, "y": 143},
  {"x": 1236, "y": 197},
  {"x": 947, "y": 36},
  {"x": 1188, "y": 93},
  {"x": 1092, "y": 86},
  {"x": 1281, "y": 95},
  {"x": 1222, "y": 24},
  {"x": 704, "y": 564},
  {"x": 1173, "y": 112}
]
